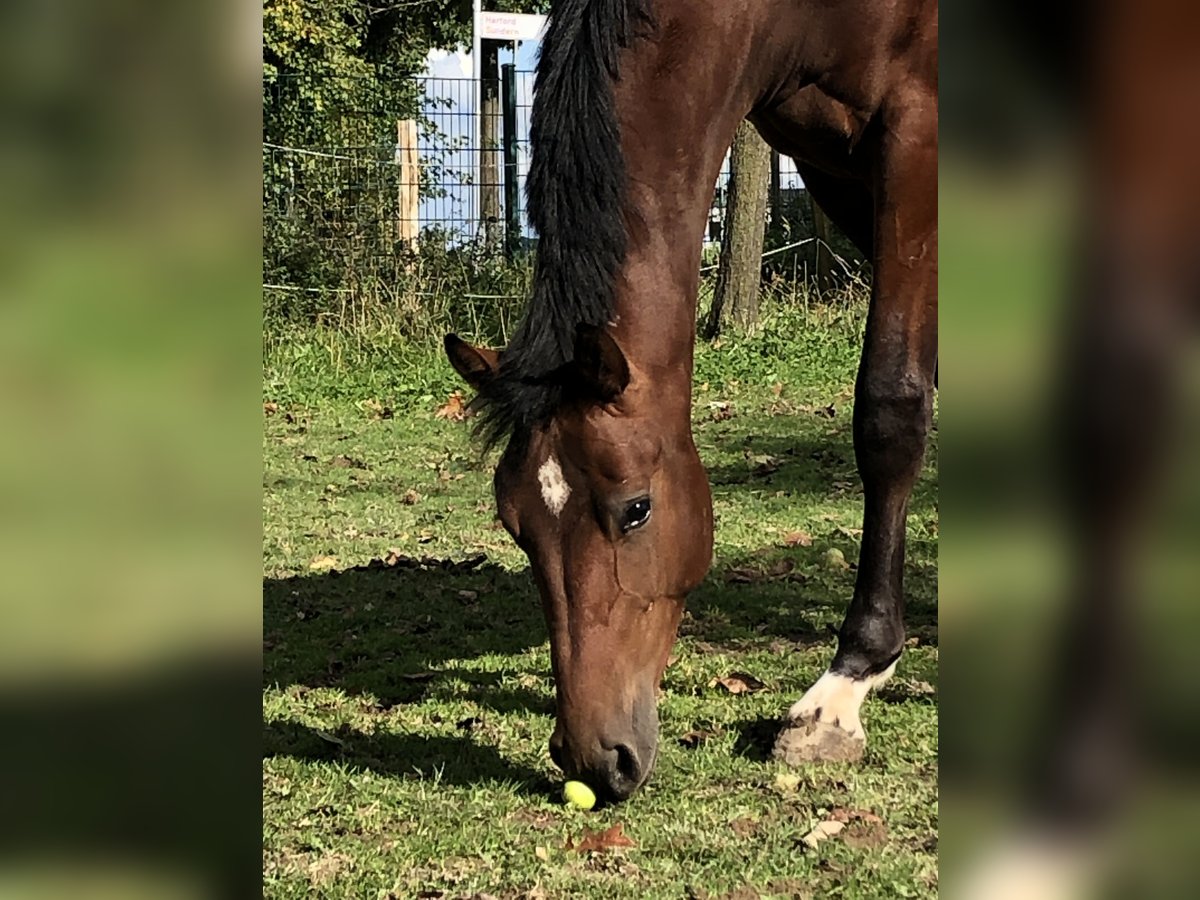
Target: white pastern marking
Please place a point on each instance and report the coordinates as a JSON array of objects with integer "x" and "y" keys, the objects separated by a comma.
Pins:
[
  {"x": 836, "y": 699},
  {"x": 555, "y": 489}
]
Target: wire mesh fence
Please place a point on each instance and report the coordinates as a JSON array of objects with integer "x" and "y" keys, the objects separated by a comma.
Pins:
[{"x": 370, "y": 194}]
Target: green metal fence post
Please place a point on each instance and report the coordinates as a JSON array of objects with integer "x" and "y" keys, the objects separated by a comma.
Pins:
[{"x": 512, "y": 213}]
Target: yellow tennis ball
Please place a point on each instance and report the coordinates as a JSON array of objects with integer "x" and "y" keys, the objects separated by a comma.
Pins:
[{"x": 579, "y": 794}]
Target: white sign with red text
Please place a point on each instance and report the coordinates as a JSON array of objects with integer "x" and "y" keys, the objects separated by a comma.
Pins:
[{"x": 499, "y": 26}]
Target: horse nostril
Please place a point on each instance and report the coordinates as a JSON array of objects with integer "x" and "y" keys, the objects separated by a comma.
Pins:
[{"x": 627, "y": 764}]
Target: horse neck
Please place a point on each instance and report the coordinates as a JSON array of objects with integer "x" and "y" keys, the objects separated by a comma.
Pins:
[{"x": 667, "y": 205}]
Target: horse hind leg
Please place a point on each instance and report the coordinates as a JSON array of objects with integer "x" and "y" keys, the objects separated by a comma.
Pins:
[{"x": 892, "y": 411}]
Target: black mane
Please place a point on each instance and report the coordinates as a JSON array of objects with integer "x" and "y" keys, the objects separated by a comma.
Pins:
[{"x": 575, "y": 193}]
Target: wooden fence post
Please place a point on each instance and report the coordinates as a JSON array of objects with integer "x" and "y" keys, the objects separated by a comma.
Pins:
[{"x": 408, "y": 183}]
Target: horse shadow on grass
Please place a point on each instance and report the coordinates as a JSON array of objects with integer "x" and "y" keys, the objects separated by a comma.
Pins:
[
  {"x": 387, "y": 632},
  {"x": 446, "y": 759}
]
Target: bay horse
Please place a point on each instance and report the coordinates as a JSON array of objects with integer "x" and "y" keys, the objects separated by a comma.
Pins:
[{"x": 635, "y": 105}]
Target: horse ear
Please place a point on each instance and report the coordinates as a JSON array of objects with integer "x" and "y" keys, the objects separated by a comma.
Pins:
[
  {"x": 477, "y": 365},
  {"x": 600, "y": 363}
]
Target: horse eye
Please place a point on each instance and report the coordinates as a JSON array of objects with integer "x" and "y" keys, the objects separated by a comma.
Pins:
[{"x": 636, "y": 514}]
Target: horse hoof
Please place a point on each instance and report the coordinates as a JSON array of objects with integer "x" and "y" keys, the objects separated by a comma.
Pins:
[{"x": 808, "y": 741}]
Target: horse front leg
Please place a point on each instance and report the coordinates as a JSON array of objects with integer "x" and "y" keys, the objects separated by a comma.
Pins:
[{"x": 893, "y": 404}]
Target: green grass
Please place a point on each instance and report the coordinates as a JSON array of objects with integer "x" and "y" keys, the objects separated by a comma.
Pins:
[{"x": 406, "y": 710}]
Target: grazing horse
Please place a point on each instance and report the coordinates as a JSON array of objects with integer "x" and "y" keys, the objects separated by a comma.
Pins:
[{"x": 636, "y": 103}]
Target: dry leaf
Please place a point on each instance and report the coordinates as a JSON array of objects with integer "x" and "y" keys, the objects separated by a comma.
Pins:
[
  {"x": 742, "y": 575},
  {"x": 787, "y": 782},
  {"x": 777, "y": 389},
  {"x": 601, "y": 840},
  {"x": 738, "y": 683},
  {"x": 821, "y": 832},
  {"x": 694, "y": 739},
  {"x": 323, "y": 563},
  {"x": 454, "y": 410},
  {"x": 270, "y": 408},
  {"x": 376, "y": 409},
  {"x": 720, "y": 410},
  {"x": 797, "y": 539},
  {"x": 744, "y": 826},
  {"x": 541, "y": 853},
  {"x": 471, "y": 562},
  {"x": 410, "y": 497},
  {"x": 346, "y": 462}
]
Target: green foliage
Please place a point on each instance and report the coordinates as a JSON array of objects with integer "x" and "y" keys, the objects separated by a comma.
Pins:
[
  {"x": 324, "y": 59},
  {"x": 337, "y": 75}
]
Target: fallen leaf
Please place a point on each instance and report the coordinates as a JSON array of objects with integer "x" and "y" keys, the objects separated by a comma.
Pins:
[
  {"x": 471, "y": 562},
  {"x": 744, "y": 826},
  {"x": 270, "y": 408},
  {"x": 738, "y": 683},
  {"x": 323, "y": 563},
  {"x": 376, "y": 409},
  {"x": 454, "y": 409},
  {"x": 468, "y": 596},
  {"x": 742, "y": 575},
  {"x": 541, "y": 853},
  {"x": 417, "y": 676},
  {"x": 720, "y": 410},
  {"x": 787, "y": 782},
  {"x": 797, "y": 539},
  {"x": 600, "y": 840},
  {"x": 410, "y": 497},
  {"x": 694, "y": 739},
  {"x": 777, "y": 389},
  {"x": 346, "y": 462},
  {"x": 821, "y": 832}
]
